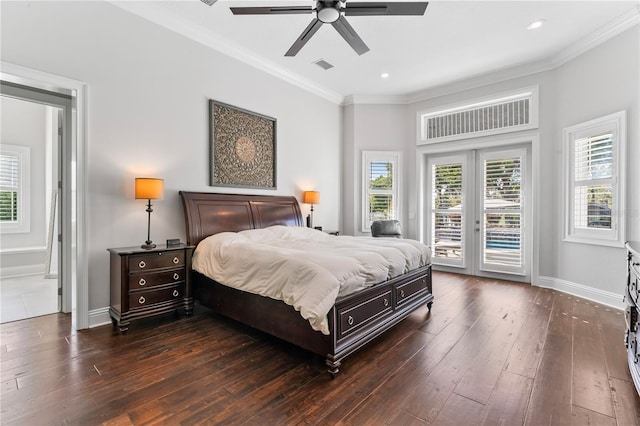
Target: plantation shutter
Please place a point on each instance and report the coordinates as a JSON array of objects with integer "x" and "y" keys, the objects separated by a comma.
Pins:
[
  {"x": 381, "y": 190},
  {"x": 593, "y": 182},
  {"x": 9, "y": 186}
]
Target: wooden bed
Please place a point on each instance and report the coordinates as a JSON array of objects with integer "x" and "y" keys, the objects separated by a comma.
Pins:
[{"x": 354, "y": 320}]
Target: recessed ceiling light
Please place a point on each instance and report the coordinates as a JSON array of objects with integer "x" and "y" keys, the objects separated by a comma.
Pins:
[
  {"x": 536, "y": 24},
  {"x": 384, "y": 75}
]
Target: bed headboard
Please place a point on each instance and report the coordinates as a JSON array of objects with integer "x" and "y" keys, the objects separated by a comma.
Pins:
[{"x": 210, "y": 213}]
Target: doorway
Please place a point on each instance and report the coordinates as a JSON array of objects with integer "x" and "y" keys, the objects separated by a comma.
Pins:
[
  {"x": 478, "y": 211},
  {"x": 35, "y": 127}
]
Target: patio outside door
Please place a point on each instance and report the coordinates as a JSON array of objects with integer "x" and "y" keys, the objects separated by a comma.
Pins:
[{"x": 478, "y": 213}]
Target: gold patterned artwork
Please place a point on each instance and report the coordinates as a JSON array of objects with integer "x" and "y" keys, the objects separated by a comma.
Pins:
[{"x": 243, "y": 147}]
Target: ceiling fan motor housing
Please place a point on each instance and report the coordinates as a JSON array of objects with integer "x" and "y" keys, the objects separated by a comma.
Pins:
[{"x": 328, "y": 11}]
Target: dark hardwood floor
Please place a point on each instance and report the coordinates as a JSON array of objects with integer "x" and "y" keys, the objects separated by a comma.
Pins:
[{"x": 490, "y": 352}]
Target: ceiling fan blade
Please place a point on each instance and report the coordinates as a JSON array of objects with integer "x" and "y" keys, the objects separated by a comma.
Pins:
[
  {"x": 385, "y": 8},
  {"x": 276, "y": 10},
  {"x": 349, "y": 34},
  {"x": 311, "y": 29}
]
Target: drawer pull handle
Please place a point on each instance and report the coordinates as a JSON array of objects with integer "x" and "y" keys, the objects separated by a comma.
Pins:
[
  {"x": 176, "y": 277},
  {"x": 141, "y": 264},
  {"x": 142, "y": 281},
  {"x": 401, "y": 293},
  {"x": 176, "y": 293},
  {"x": 350, "y": 320},
  {"x": 386, "y": 302},
  {"x": 176, "y": 260},
  {"x": 142, "y": 300}
]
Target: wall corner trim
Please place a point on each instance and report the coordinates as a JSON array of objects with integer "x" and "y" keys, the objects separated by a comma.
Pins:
[{"x": 98, "y": 317}]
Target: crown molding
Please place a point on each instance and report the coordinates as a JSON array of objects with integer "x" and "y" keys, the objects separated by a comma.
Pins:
[
  {"x": 599, "y": 36},
  {"x": 200, "y": 34},
  {"x": 374, "y": 99}
]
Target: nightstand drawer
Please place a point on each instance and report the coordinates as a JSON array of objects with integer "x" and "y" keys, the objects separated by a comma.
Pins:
[
  {"x": 157, "y": 260},
  {"x": 147, "y": 298},
  {"x": 146, "y": 280}
]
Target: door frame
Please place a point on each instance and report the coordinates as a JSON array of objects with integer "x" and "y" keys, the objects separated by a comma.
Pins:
[
  {"x": 74, "y": 257},
  {"x": 494, "y": 141}
]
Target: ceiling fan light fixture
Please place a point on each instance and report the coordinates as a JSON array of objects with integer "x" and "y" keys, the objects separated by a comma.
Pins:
[
  {"x": 328, "y": 14},
  {"x": 384, "y": 75}
]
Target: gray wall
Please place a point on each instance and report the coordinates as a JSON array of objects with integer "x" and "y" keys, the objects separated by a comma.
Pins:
[{"x": 148, "y": 92}]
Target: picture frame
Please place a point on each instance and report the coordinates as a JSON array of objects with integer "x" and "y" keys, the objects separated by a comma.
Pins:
[{"x": 242, "y": 147}]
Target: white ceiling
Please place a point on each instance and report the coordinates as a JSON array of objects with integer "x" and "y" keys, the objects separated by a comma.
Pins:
[{"x": 452, "y": 42}]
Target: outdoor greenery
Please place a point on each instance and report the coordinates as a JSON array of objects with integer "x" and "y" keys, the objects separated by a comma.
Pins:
[{"x": 8, "y": 206}]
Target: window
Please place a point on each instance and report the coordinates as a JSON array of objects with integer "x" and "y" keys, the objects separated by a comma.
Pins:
[
  {"x": 14, "y": 188},
  {"x": 381, "y": 186},
  {"x": 594, "y": 161}
]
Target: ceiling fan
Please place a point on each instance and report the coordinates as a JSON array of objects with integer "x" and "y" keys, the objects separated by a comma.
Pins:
[{"x": 333, "y": 12}]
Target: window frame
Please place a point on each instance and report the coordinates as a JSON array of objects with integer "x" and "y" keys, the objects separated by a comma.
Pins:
[
  {"x": 368, "y": 157},
  {"x": 23, "y": 222},
  {"x": 616, "y": 125}
]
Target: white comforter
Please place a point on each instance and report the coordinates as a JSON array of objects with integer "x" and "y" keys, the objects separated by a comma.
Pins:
[{"x": 303, "y": 267}]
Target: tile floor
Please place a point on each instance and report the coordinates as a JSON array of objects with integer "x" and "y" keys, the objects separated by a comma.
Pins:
[{"x": 27, "y": 296}]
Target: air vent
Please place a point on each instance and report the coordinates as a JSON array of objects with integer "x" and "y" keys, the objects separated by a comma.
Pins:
[
  {"x": 505, "y": 114},
  {"x": 323, "y": 64}
]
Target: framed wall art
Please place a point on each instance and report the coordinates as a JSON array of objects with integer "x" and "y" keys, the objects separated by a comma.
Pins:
[{"x": 242, "y": 147}]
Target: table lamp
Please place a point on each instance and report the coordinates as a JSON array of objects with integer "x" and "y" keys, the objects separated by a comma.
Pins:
[
  {"x": 311, "y": 197},
  {"x": 149, "y": 189}
]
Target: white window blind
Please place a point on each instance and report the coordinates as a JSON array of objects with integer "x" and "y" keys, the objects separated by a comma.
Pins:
[
  {"x": 380, "y": 187},
  {"x": 14, "y": 188},
  {"x": 502, "y": 211},
  {"x": 9, "y": 186},
  {"x": 593, "y": 183},
  {"x": 595, "y": 176},
  {"x": 446, "y": 210}
]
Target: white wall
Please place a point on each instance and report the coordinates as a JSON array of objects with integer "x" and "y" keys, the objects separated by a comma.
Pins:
[{"x": 148, "y": 93}]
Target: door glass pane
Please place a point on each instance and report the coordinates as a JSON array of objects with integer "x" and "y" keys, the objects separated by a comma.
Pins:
[
  {"x": 446, "y": 211},
  {"x": 502, "y": 215}
]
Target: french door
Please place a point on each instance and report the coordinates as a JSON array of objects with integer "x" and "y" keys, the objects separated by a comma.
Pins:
[{"x": 477, "y": 212}]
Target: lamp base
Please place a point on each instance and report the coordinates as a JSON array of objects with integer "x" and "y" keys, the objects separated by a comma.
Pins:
[{"x": 148, "y": 245}]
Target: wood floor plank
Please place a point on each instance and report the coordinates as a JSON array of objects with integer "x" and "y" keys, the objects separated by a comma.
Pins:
[
  {"x": 459, "y": 410},
  {"x": 590, "y": 387},
  {"x": 581, "y": 416},
  {"x": 550, "y": 402},
  {"x": 489, "y": 360},
  {"x": 626, "y": 402},
  {"x": 527, "y": 350},
  {"x": 507, "y": 405}
]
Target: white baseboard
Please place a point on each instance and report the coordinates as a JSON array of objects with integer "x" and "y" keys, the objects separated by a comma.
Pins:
[
  {"x": 98, "y": 317},
  {"x": 21, "y": 271},
  {"x": 603, "y": 297}
]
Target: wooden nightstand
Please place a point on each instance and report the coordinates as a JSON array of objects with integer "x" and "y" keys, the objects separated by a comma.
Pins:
[{"x": 149, "y": 282}]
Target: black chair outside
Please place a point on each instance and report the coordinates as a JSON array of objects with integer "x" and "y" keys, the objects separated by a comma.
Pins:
[{"x": 386, "y": 228}]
